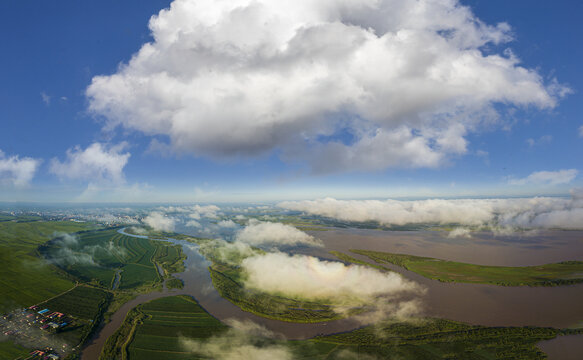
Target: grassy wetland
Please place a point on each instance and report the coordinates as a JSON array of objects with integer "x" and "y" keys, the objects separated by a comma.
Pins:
[{"x": 562, "y": 273}]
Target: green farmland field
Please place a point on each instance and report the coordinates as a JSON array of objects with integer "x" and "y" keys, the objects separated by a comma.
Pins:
[
  {"x": 25, "y": 278},
  {"x": 152, "y": 330},
  {"x": 98, "y": 255},
  {"x": 563, "y": 273},
  {"x": 9, "y": 350},
  {"x": 85, "y": 305}
]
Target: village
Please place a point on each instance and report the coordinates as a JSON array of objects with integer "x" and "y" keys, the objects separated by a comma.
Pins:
[{"x": 37, "y": 327}]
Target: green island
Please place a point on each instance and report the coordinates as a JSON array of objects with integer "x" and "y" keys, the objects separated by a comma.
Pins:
[
  {"x": 563, "y": 273},
  {"x": 81, "y": 271},
  {"x": 228, "y": 279},
  {"x": 158, "y": 329}
]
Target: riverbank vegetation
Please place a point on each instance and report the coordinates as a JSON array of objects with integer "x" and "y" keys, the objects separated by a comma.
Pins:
[
  {"x": 442, "y": 339},
  {"x": 164, "y": 328},
  {"x": 563, "y": 273}
]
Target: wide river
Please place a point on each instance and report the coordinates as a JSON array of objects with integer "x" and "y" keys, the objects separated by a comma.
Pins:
[{"x": 476, "y": 304}]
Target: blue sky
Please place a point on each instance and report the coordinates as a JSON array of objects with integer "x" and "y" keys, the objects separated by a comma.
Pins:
[{"x": 64, "y": 139}]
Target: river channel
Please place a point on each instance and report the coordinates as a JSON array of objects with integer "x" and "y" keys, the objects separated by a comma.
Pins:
[
  {"x": 198, "y": 284},
  {"x": 471, "y": 303}
]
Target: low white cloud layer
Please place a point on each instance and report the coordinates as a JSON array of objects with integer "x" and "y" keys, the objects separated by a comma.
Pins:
[
  {"x": 97, "y": 163},
  {"x": 193, "y": 223},
  {"x": 538, "y": 212},
  {"x": 340, "y": 85},
  {"x": 16, "y": 171},
  {"x": 158, "y": 221},
  {"x": 243, "y": 341},
  {"x": 258, "y": 233},
  {"x": 69, "y": 251},
  {"x": 581, "y": 131},
  {"x": 307, "y": 277},
  {"x": 547, "y": 178},
  {"x": 227, "y": 224},
  {"x": 460, "y": 232},
  {"x": 204, "y": 211}
]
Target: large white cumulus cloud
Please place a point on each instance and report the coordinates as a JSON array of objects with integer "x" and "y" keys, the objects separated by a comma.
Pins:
[
  {"x": 17, "y": 171},
  {"x": 308, "y": 277},
  {"x": 96, "y": 163},
  {"x": 400, "y": 81},
  {"x": 539, "y": 212},
  {"x": 158, "y": 221}
]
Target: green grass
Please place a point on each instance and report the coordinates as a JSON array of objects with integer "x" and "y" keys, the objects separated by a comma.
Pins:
[
  {"x": 82, "y": 302},
  {"x": 9, "y": 350},
  {"x": 112, "y": 251},
  {"x": 152, "y": 330},
  {"x": 24, "y": 277},
  {"x": 563, "y": 273}
]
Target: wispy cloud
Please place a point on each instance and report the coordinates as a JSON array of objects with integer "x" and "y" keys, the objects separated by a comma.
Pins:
[
  {"x": 407, "y": 79},
  {"x": 546, "y": 139},
  {"x": 45, "y": 98},
  {"x": 547, "y": 178}
]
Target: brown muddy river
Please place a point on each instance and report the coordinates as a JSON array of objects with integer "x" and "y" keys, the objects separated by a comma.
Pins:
[
  {"x": 473, "y": 303},
  {"x": 476, "y": 304}
]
